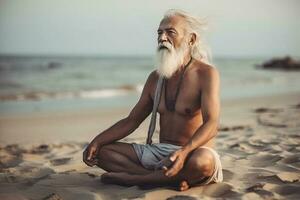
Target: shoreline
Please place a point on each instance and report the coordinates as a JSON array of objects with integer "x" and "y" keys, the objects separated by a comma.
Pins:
[{"x": 83, "y": 125}]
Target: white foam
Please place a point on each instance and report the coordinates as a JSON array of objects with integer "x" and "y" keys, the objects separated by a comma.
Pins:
[{"x": 87, "y": 94}]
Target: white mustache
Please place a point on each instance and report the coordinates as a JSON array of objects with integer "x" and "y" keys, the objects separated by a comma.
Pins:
[{"x": 165, "y": 45}]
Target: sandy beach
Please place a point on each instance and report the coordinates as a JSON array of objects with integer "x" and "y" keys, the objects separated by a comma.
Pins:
[
  {"x": 258, "y": 140},
  {"x": 69, "y": 70}
]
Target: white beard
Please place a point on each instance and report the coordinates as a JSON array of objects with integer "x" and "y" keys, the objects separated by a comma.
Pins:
[{"x": 168, "y": 60}]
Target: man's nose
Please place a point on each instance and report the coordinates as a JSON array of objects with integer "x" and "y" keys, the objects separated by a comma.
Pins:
[{"x": 162, "y": 37}]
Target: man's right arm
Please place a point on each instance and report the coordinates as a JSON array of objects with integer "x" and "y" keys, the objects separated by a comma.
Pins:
[{"x": 127, "y": 125}]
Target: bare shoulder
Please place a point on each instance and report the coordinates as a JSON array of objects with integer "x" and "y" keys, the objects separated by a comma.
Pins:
[
  {"x": 203, "y": 70},
  {"x": 153, "y": 76},
  {"x": 205, "y": 73},
  {"x": 150, "y": 84},
  {"x": 152, "y": 79}
]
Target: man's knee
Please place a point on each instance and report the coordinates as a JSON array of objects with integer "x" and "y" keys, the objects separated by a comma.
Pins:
[
  {"x": 104, "y": 156},
  {"x": 110, "y": 150},
  {"x": 201, "y": 163},
  {"x": 105, "y": 151}
]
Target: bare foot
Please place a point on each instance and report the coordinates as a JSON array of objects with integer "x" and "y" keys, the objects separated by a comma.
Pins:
[
  {"x": 125, "y": 179},
  {"x": 183, "y": 186},
  {"x": 119, "y": 178}
]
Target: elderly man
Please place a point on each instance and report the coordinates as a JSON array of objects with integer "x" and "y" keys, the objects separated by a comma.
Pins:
[{"x": 189, "y": 115}]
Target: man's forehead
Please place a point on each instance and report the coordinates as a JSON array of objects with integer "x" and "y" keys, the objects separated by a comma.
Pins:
[{"x": 176, "y": 22}]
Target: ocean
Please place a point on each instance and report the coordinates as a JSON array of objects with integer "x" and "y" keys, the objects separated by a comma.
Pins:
[{"x": 38, "y": 84}]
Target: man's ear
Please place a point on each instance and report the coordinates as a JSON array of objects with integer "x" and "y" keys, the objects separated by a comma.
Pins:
[{"x": 193, "y": 39}]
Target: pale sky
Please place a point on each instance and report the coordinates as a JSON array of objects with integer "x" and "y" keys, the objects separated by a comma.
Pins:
[{"x": 237, "y": 28}]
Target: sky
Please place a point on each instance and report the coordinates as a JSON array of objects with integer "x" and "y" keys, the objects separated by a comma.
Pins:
[{"x": 236, "y": 28}]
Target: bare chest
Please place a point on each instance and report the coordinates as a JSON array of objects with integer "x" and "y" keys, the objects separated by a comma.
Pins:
[{"x": 184, "y": 98}]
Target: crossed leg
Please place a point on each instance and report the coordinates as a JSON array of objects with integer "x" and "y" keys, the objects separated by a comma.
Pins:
[
  {"x": 124, "y": 168},
  {"x": 120, "y": 157}
]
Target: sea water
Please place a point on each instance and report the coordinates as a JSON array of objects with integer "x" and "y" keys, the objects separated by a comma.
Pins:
[{"x": 37, "y": 83}]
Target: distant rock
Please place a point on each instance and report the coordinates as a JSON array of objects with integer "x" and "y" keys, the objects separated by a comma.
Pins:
[
  {"x": 287, "y": 63},
  {"x": 54, "y": 65}
]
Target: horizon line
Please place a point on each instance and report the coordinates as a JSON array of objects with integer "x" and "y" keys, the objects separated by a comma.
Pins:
[{"x": 133, "y": 56}]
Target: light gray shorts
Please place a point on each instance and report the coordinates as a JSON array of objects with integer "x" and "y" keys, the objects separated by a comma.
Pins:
[{"x": 154, "y": 157}]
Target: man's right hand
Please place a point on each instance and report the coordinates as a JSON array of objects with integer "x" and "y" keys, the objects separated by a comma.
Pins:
[{"x": 90, "y": 153}]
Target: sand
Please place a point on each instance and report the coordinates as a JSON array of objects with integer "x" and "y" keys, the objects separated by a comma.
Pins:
[{"x": 258, "y": 140}]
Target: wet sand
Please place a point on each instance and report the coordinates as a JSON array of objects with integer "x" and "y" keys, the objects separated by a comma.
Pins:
[{"x": 258, "y": 140}]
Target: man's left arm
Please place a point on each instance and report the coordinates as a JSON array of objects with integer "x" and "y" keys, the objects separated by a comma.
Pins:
[{"x": 210, "y": 106}]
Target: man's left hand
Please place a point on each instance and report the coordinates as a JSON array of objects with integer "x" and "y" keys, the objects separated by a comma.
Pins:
[{"x": 178, "y": 159}]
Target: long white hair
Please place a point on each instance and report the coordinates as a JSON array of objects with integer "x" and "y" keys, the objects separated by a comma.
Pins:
[{"x": 195, "y": 25}]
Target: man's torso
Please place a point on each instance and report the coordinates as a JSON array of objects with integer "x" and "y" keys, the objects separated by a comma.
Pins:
[{"x": 178, "y": 126}]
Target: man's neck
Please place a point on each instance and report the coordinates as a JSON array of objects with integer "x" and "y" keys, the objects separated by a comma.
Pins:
[
  {"x": 180, "y": 68},
  {"x": 186, "y": 60}
]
